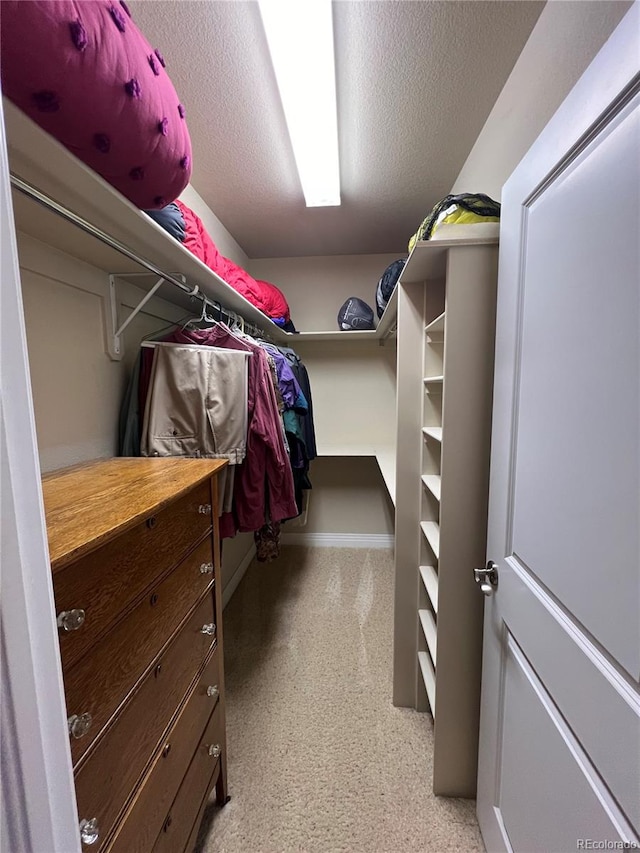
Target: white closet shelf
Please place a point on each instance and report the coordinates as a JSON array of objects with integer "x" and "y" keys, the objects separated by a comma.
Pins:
[
  {"x": 40, "y": 160},
  {"x": 433, "y": 432},
  {"x": 386, "y": 328},
  {"x": 358, "y": 336},
  {"x": 430, "y": 580},
  {"x": 385, "y": 456},
  {"x": 430, "y": 632},
  {"x": 386, "y": 459},
  {"x": 428, "y": 258},
  {"x": 429, "y": 679},
  {"x": 431, "y": 532},
  {"x": 436, "y": 325},
  {"x": 432, "y": 482}
]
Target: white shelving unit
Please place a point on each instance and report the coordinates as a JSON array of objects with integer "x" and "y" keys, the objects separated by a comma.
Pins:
[{"x": 446, "y": 325}]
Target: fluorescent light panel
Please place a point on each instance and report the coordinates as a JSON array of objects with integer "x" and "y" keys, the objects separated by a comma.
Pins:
[{"x": 300, "y": 38}]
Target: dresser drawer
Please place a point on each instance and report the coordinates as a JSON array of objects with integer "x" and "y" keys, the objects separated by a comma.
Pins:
[
  {"x": 177, "y": 827},
  {"x": 107, "y": 778},
  {"x": 106, "y": 582},
  {"x": 147, "y": 813},
  {"x": 100, "y": 682},
  {"x": 195, "y": 832}
]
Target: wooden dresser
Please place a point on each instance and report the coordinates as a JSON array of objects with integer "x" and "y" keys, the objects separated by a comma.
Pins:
[{"x": 134, "y": 553}]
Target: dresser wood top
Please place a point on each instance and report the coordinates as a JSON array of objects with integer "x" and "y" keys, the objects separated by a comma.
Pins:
[{"x": 87, "y": 505}]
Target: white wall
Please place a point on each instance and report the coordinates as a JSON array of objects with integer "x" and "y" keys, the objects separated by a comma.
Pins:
[
  {"x": 226, "y": 244},
  {"x": 354, "y": 392},
  {"x": 565, "y": 39},
  {"x": 77, "y": 389},
  {"x": 348, "y": 496},
  {"x": 353, "y": 386},
  {"x": 316, "y": 287}
]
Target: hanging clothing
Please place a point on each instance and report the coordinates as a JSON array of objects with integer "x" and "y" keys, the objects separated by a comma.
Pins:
[
  {"x": 263, "y": 489},
  {"x": 302, "y": 376},
  {"x": 267, "y": 541},
  {"x": 197, "y": 404},
  {"x": 129, "y": 424},
  {"x": 171, "y": 407}
]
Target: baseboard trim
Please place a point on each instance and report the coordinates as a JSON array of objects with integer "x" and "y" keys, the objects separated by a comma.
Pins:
[
  {"x": 340, "y": 540},
  {"x": 236, "y": 577}
]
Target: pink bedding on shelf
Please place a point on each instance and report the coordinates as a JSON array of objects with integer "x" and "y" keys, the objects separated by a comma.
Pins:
[
  {"x": 262, "y": 294},
  {"x": 87, "y": 75}
]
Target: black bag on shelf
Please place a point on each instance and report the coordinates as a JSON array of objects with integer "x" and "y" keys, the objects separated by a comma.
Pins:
[
  {"x": 355, "y": 315},
  {"x": 387, "y": 284}
]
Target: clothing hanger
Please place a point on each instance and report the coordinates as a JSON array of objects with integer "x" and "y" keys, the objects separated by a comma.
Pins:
[{"x": 182, "y": 322}]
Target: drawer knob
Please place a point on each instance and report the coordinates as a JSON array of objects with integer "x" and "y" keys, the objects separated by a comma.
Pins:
[
  {"x": 79, "y": 725},
  {"x": 214, "y": 750},
  {"x": 89, "y": 831},
  {"x": 70, "y": 620},
  {"x": 166, "y": 749},
  {"x": 212, "y": 690},
  {"x": 209, "y": 628},
  {"x": 206, "y": 568},
  {"x": 204, "y": 509},
  {"x": 151, "y": 522}
]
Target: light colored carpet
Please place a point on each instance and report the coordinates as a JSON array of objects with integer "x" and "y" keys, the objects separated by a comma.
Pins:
[{"x": 319, "y": 759}]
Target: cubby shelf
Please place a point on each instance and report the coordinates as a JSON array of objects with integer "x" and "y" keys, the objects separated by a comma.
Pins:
[
  {"x": 431, "y": 532},
  {"x": 430, "y": 580},
  {"x": 430, "y": 633},
  {"x": 432, "y": 482},
  {"x": 428, "y": 678}
]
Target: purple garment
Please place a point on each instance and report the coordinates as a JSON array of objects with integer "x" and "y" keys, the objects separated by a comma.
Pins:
[
  {"x": 263, "y": 488},
  {"x": 287, "y": 382}
]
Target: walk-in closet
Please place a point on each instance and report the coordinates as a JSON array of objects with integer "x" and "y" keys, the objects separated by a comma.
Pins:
[{"x": 254, "y": 440}]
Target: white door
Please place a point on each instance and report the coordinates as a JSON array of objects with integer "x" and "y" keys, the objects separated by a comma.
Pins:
[{"x": 559, "y": 762}]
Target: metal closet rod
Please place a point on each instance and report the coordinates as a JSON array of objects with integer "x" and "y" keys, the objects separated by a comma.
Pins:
[{"x": 64, "y": 212}]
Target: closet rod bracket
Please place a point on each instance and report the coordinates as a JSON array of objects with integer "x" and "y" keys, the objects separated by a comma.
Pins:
[{"x": 115, "y": 345}]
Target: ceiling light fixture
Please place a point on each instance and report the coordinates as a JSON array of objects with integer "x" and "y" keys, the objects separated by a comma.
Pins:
[{"x": 300, "y": 39}]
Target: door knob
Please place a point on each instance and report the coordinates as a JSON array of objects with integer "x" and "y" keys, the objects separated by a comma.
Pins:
[{"x": 487, "y": 578}]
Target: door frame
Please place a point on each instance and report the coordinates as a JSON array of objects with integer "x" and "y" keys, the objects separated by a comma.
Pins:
[{"x": 37, "y": 805}]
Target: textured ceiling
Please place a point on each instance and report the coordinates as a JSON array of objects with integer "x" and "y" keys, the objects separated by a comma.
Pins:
[{"x": 415, "y": 83}]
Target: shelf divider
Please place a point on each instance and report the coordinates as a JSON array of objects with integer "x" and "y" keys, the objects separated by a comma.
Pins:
[
  {"x": 431, "y": 532},
  {"x": 432, "y": 482},
  {"x": 429, "y": 679},
  {"x": 430, "y": 632},
  {"x": 430, "y": 580}
]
